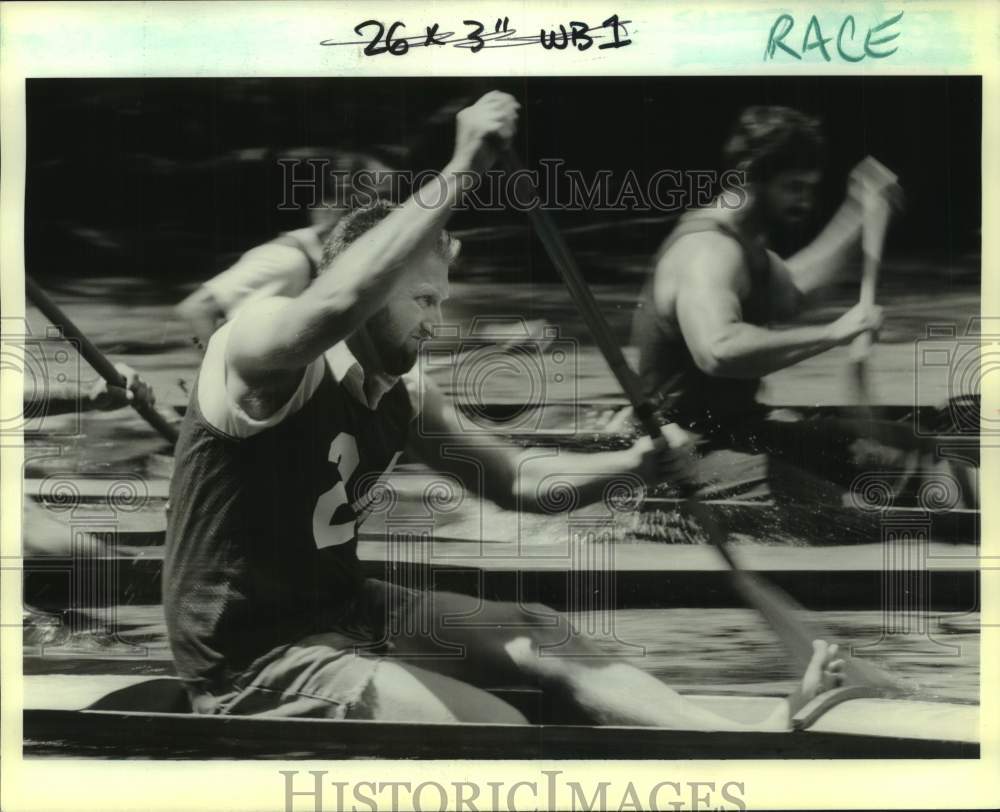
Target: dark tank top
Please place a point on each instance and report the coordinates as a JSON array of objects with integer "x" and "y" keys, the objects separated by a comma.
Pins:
[
  {"x": 261, "y": 544},
  {"x": 669, "y": 375}
]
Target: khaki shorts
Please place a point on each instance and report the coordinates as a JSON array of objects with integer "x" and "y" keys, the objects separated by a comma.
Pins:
[{"x": 324, "y": 675}]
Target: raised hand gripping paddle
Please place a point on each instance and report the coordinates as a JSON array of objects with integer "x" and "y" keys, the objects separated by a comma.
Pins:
[{"x": 875, "y": 221}]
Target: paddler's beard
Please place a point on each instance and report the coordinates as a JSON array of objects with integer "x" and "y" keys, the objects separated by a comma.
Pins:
[{"x": 380, "y": 354}]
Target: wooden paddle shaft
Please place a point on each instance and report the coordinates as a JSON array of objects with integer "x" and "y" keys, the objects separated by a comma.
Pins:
[
  {"x": 94, "y": 356},
  {"x": 559, "y": 253},
  {"x": 875, "y": 221}
]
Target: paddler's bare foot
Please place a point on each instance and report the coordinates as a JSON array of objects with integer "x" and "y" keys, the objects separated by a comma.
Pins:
[{"x": 824, "y": 673}]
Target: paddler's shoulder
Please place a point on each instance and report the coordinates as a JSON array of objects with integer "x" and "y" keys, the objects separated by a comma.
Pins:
[{"x": 701, "y": 239}]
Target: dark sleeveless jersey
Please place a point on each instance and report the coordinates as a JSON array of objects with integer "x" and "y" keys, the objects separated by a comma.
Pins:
[
  {"x": 261, "y": 545},
  {"x": 669, "y": 375}
]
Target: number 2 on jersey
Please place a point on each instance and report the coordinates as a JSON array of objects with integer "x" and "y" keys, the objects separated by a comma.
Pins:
[{"x": 343, "y": 454}]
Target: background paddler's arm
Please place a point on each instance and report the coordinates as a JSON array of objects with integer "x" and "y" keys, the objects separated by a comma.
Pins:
[
  {"x": 710, "y": 314},
  {"x": 826, "y": 259},
  {"x": 203, "y": 314},
  {"x": 835, "y": 251}
]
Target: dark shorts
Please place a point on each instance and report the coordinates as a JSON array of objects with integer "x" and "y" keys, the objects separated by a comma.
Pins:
[{"x": 328, "y": 674}]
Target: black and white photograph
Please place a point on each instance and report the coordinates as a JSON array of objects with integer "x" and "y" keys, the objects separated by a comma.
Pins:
[{"x": 501, "y": 418}]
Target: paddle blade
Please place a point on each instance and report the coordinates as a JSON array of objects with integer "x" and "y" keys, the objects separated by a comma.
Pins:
[
  {"x": 859, "y": 380},
  {"x": 788, "y": 621},
  {"x": 785, "y": 616}
]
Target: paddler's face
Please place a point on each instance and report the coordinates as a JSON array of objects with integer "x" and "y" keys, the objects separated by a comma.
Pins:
[
  {"x": 789, "y": 197},
  {"x": 410, "y": 315}
]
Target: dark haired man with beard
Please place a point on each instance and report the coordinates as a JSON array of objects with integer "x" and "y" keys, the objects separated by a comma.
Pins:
[
  {"x": 300, "y": 406},
  {"x": 703, "y": 324}
]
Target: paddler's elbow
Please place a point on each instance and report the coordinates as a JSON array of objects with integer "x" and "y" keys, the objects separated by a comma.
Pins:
[
  {"x": 526, "y": 483},
  {"x": 713, "y": 360},
  {"x": 721, "y": 359}
]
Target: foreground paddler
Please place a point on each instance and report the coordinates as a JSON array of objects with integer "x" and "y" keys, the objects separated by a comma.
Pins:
[
  {"x": 704, "y": 335},
  {"x": 300, "y": 406}
]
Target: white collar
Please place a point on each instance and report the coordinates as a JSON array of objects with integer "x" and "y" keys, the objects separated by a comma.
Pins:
[{"x": 348, "y": 372}]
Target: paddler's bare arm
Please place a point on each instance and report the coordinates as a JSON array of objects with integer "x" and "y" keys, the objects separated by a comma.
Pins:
[
  {"x": 523, "y": 479},
  {"x": 66, "y": 398},
  {"x": 712, "y": 281},
  {"x": 821, "y": 263},
  {"x": 203, "y": 314},
  {"x": 835, "y": 250},
  {"x": 270, "y": 349}
]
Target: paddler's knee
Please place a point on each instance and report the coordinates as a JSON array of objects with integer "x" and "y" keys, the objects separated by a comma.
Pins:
[
  {"x": 410, "y": 693},
  {"x": 396, "y": 694},
  {"x": 532, "y": 659},
  {"x": 554, "y": 654}
]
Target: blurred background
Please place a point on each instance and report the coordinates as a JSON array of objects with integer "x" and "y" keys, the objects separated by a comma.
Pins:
[
  {"x": 139, "y": 190},
  {"x": 170, "y": 179}
]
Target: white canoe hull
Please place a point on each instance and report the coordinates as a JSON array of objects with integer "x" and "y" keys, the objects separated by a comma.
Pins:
[{"x": 73, "y": 716}]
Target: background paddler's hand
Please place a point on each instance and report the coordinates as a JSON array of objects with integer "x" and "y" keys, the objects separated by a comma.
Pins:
[
  {"x": 484, "y": 130},
  {"x": 872, "y": 178},
  {"x": 824, "y": 673},
  {"x": 107, "y": 398},
  {"x": 668, "y": 459},
  {"x": 861, "y": 318}
]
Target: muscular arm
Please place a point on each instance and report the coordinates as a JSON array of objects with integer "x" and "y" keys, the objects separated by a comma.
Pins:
[
  {"x": 97, "y": 395},
  {"x": 269, "y": 348},
  {"x": 821, "y": 263},
  {"x": 285, "y": 339},
  {"x": 272, "y": 269},
  {"x": 486, "y": 464},
  {"x": 202, "y": 312},
  {"x": 835, "y": 249},
  {"x": 58, "y": 399},
  {"x": 712, "y": 282}
]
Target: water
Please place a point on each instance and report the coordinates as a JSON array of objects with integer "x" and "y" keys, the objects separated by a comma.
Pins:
[
  {"x": 719, "y": 649},
  {"x": 694, "y": 650},
  {"x": 735, "y": 650}
]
